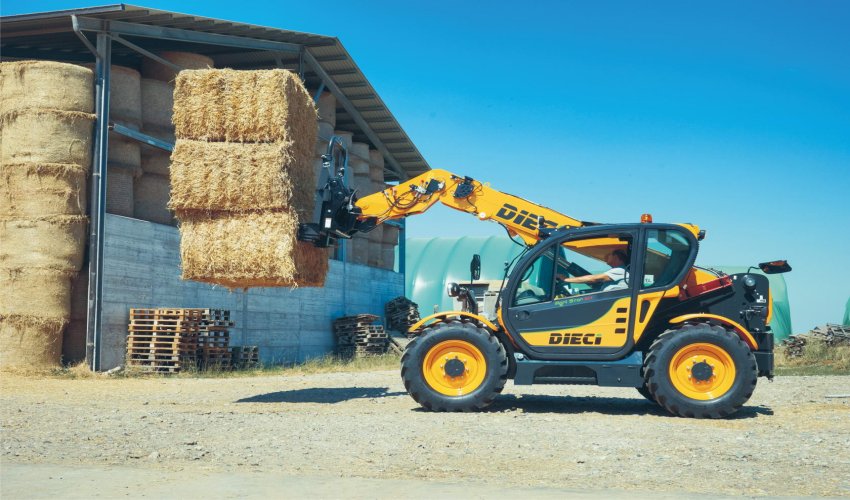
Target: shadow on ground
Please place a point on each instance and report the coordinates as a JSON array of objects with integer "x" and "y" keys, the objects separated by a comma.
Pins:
[
  {"x": 595, "y": 404},
  {"x": 329, "y": 395}
]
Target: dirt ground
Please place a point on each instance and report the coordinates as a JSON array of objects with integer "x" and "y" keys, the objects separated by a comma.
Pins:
[{"x": 791, "y": 439}]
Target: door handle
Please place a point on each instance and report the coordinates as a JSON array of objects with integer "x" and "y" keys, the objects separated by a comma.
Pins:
[{"x": 523, "y": 315}]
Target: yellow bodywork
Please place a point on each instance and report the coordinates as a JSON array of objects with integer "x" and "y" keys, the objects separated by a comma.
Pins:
[
  {"x": 442, "y": 316},
  {"x": 742, "y": 332},
  {"x": 601, "y": 333}
]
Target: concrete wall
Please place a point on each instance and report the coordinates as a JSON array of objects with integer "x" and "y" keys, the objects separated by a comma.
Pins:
[{"x": 142, "y": 269}]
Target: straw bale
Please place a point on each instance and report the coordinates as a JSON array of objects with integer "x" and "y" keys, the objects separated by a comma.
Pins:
[
  {"x": 358, "y": 249},
  {"x": 42, "y": 293},
  {"x": 119, "y": 190},
  {"x": 157, "y": 103},
  {"x": 362, "y": 185},
  {"x": 359, "y": 167},
  {"x": 28, "y": 342},
  {"x": 390, "y": 236},
  {"x": 186, "y": 60},
  {"x": 46, "y": 84},
  {"x": 249, "y": 250},
  {"x": 156, "y": 162},
  {"x": 36, "y": 190},
  {"x": 359, "y": 150},
  {"x": 345, "y": 137},
  {"x": 245, "y": 106},
  {"x": 50, "y": 242},
  {"x": 125, "y": 94},
  {"x": 387, "y": 257},
  {"x": 236, "y": 177},
  {"x": 324, "y": 133},
  {"x": 150, "y": 199},
  {"x": 327, "y": 108},
  {"x": 376, "y": 235},
  {"x": 80, "y": 294},
  {"x": 46, "y": 136},
  {"x": 376, "y": 174},
  {"x": 374, "y": 253},
  {"x": 124, "y": 152}
]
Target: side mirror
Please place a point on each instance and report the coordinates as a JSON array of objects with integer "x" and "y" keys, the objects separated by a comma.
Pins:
[
  {"x": 475, "y": 267},
  {"x": 775, "y": 267}
]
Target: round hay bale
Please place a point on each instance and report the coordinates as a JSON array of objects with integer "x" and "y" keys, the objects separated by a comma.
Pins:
[
  {"x": 156, "y": 162},
  {"x": 31, "y": 342},
  {"x": 362, "y": 184},
  {"x": 186, "y": 60},
  {"x": 163, "y": 134},
  {"x": 36, "y": 189},
  {"x": 387, "y": 257},
  {"x": 358, "y": 249},
  {"x": 125, "y": 94},
  {"x": 390, "y": 236},
  {"x": 323, "y": 137},
  {"x": 376, "y": 174},
  {"x": 46, "y": 84},
  {"x": 376, "y": 235},
  {"x": 119, "y": 190},
  {"x": 55, "y": 242},
  {"x": 376, "y": 159},
  {"x": 327, "y": 108},
  {"x": 346, "y": 137},
  {"x": 359, "y": 150},
  {"x": 124, "y": 152},
  {"x": 40, "y": 293},
  {"x": 359, "y": 168},
  {"x": 150, "y": 199},
  {"x": 319, "y": 171},
  {"x": 80, "y": 294},
  {"x": 157, "y": 103},
  {"x": 46, "y": 136}
]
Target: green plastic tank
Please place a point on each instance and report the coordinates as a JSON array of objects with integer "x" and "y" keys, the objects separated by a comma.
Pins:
[{"x": 433, "y": 262}]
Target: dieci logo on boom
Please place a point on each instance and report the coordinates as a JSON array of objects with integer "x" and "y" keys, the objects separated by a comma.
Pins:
[
  {"x": 521, "y": 217},
  {"x": 575, "y": 339}
]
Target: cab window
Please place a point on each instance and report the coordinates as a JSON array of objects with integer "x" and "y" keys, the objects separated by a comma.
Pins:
[
  {"x": 667, "y": 253},
  {"x": 590, "y": 257},
  {"x": 536, "y": 281}
]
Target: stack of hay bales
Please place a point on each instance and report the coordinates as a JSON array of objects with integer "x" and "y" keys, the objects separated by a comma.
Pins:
[
  {"x": 358, "y": 163},
  {"x": 46, "y": 124},
  {"x": 242, "y": 178},
  {"x": 152, "y": 190},
  {"x": 325, "y": 130},
  {"x": 124, "y": 164},
  {"x": 376, "y": 237}
]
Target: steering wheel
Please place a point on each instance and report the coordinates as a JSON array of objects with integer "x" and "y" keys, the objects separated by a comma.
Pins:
[{"x": 561, "y": 288}]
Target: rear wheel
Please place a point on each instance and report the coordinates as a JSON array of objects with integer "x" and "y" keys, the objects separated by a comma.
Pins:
[
  {"x": 454, "y": 366},
  {"x": 700, "y": 371}
]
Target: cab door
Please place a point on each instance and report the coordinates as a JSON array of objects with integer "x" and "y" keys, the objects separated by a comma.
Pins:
[{"x": 551, "y": 320}]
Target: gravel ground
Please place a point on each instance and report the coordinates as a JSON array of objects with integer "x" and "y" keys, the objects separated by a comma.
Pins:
[{"x": 789, "y": 440}]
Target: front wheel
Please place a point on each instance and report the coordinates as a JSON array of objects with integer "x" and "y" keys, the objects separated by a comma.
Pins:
[
  {"x": 454, "y": 366},
  {"x": 700, "y": 371}
]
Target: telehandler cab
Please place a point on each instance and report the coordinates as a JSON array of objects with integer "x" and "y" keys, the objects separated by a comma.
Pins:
[{"x": 693, "y": 340}]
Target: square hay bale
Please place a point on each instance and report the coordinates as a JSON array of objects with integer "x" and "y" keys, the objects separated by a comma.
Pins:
[
  {"x": 239, "y": 177},
  {"x": 248, "y": 250},
  {"x": 41, "y": 293},
  {"x": 39, "y": 189},
  {"x": 244, "y": 106}
]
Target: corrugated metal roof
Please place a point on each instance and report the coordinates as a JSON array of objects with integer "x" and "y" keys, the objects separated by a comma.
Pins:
[{"x": 49, "y": 35}]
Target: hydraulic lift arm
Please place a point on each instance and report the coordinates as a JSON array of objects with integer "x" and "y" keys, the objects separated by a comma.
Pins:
[{"x": 343, "y": 214}]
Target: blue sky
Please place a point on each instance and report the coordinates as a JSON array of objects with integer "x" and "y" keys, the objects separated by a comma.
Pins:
[{"x": 731, "y": 115}]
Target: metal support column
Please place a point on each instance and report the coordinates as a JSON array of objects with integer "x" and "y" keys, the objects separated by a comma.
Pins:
[{"x": 98, "y": 200}]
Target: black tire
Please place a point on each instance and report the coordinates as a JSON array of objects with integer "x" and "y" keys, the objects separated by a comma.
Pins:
[
  {"x": 644, "y": 391},
  {"x": 657, "y": 377},
  {"x": 495, "y": 374}
]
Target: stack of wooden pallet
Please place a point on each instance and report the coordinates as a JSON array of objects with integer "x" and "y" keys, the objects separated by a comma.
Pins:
[
  {"x": 214, "y": 338},
  {"x": 401, "y": 313},
  {"x": 245, "y": 356},
  {"x": 359, "y": 336},
  {"x": 163, "y": 340}
]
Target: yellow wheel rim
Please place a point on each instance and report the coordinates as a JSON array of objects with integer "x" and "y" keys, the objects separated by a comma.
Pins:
[
  {"x": 702, "y": 371},
  {"x": 454, "y": 367}
]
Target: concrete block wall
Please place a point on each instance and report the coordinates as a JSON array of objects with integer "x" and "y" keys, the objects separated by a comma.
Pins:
[{"x": 142, "y": 269}]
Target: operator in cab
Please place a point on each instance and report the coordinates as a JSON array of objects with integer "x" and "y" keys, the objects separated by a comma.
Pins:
[{"x": 612, "y": 279}]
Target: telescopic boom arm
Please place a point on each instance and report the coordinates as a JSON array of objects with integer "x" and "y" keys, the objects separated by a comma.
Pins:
[{"x": 343, "y": 214}]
